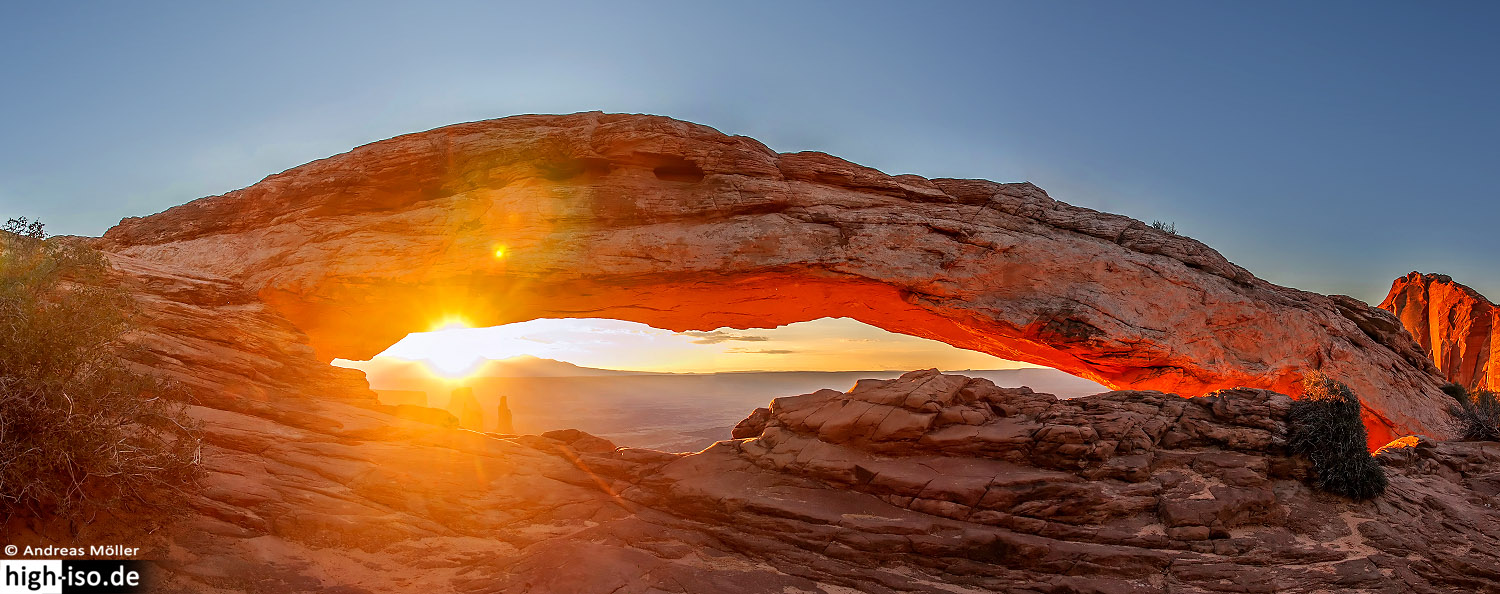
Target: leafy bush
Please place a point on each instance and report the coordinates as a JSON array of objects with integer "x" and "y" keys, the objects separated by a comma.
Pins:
[
  {"x": 1164, "y": 227},
  {"x": 1478, "y": 413},
  {"x": 80, "y": 430},
  {"x": 1325, "y": 426}
]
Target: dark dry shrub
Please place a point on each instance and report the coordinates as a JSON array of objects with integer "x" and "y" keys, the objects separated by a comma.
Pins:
[
  {"x": 1477, "y": 411},
  {"x": 80, "y": 430},
  {"x": 1326, "y": 426}
]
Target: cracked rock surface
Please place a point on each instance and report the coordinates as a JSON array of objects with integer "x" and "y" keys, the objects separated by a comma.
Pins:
[{"x": 926, "y": 483}]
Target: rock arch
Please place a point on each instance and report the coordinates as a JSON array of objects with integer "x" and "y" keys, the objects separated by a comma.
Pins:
[{"x": 677, "y": 225}]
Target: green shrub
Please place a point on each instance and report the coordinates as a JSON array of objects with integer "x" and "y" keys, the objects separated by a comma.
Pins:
[
  {"x": 1164, "y": 227},
  {"x": 80, "y": 430},
  {"x": 1477, "y": 411},
  {"x": 1326, "y": 426}
]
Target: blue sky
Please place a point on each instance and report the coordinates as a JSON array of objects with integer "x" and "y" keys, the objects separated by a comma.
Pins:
[{"x": 1331, "y": 147}]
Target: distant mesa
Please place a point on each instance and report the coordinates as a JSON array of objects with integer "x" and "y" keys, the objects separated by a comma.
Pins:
[
  {"x": 464, "y": 406},
  {"x": 394, "y": 371},
  {"x": 422, "y": 414},
  {"x": 532, "y": 366},
  {"x": 403, "y": 397}
]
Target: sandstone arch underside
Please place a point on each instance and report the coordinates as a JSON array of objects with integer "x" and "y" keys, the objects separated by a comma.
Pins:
[{"x": 679, "y": 226}]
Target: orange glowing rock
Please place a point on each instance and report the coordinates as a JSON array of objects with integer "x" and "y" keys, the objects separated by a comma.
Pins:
[
  {"x": 1409, "y": 441},
  {"x": 677, "y": 225},
  {"x": 1454, "y": 323}
]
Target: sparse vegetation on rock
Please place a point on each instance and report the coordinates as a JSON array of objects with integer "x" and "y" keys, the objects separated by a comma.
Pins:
[
  {"x": 1326, "y": 426},
  {"x": 1478, "y": 413},
  {"x": 80, "y": 430},
  {"x": 1165, "y": 226}
]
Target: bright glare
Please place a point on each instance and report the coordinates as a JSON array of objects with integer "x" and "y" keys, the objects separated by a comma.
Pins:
[
  {"x": 453, "y": 365},
  {"x": 450, "y": 323},
  {"x": 454, "y": 349}
]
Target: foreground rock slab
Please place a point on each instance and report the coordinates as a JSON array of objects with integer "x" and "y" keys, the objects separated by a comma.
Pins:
[{"x": 926, "y": 483}]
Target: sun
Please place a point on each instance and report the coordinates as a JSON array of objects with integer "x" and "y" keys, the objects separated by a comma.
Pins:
[
  {"x": 452, "y": 364},
  {"x": 451, "y": 359},
  {"x": 451, "y": 322}
]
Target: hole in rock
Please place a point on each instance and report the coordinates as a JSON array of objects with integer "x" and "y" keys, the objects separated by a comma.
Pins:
[
  {"x": 647, "y": 387},
  {"x": 678, "y": 169}
]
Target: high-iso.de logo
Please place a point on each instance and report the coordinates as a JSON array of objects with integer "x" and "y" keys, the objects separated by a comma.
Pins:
[{"x": 71, "y": 576}]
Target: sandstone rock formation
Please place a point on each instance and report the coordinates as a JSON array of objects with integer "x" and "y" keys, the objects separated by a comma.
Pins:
[
  {"x": 928, "y": 483},
  {"x": 1455, "y": 324},
  {"x": 503, "y": 420},
  {"x": 1007, "y": 490},
  {"x": 679, "y": 226},
  {"x": 464, "y": 406}
]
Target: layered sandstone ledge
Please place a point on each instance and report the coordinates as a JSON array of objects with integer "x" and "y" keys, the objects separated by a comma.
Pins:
[
  {"x": 927, "y": 483},
  {"x": 677, "y": 225}
]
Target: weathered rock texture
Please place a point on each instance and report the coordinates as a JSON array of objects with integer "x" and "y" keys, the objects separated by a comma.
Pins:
[
  {"x": 928, "y": 483},
  {"x": 997, "y": 489},
  {"x": 679, "y": 226},
  {"x": 1452, "y": 322}
]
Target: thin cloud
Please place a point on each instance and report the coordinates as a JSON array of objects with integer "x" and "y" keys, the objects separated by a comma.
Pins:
[
  {"x": 718, "y": 336},
  {"x": 763, "y": 351}
]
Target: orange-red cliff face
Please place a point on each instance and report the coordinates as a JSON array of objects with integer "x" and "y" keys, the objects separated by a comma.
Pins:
[
  {"x": 677, "y": 225},
  {"x": 1454, "y": 323}
]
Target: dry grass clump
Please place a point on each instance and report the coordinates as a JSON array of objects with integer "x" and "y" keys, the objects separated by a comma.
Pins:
[
  {"x": 80, "y": 430},
  {"x": 1326, "y": 426},
  {"x": 1477, "y": 411}
]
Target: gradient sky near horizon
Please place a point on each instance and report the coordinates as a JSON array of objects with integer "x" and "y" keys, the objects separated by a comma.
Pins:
[
  {"x": 1331, "y": 146},
  {"x": 827, "y": 344}
]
